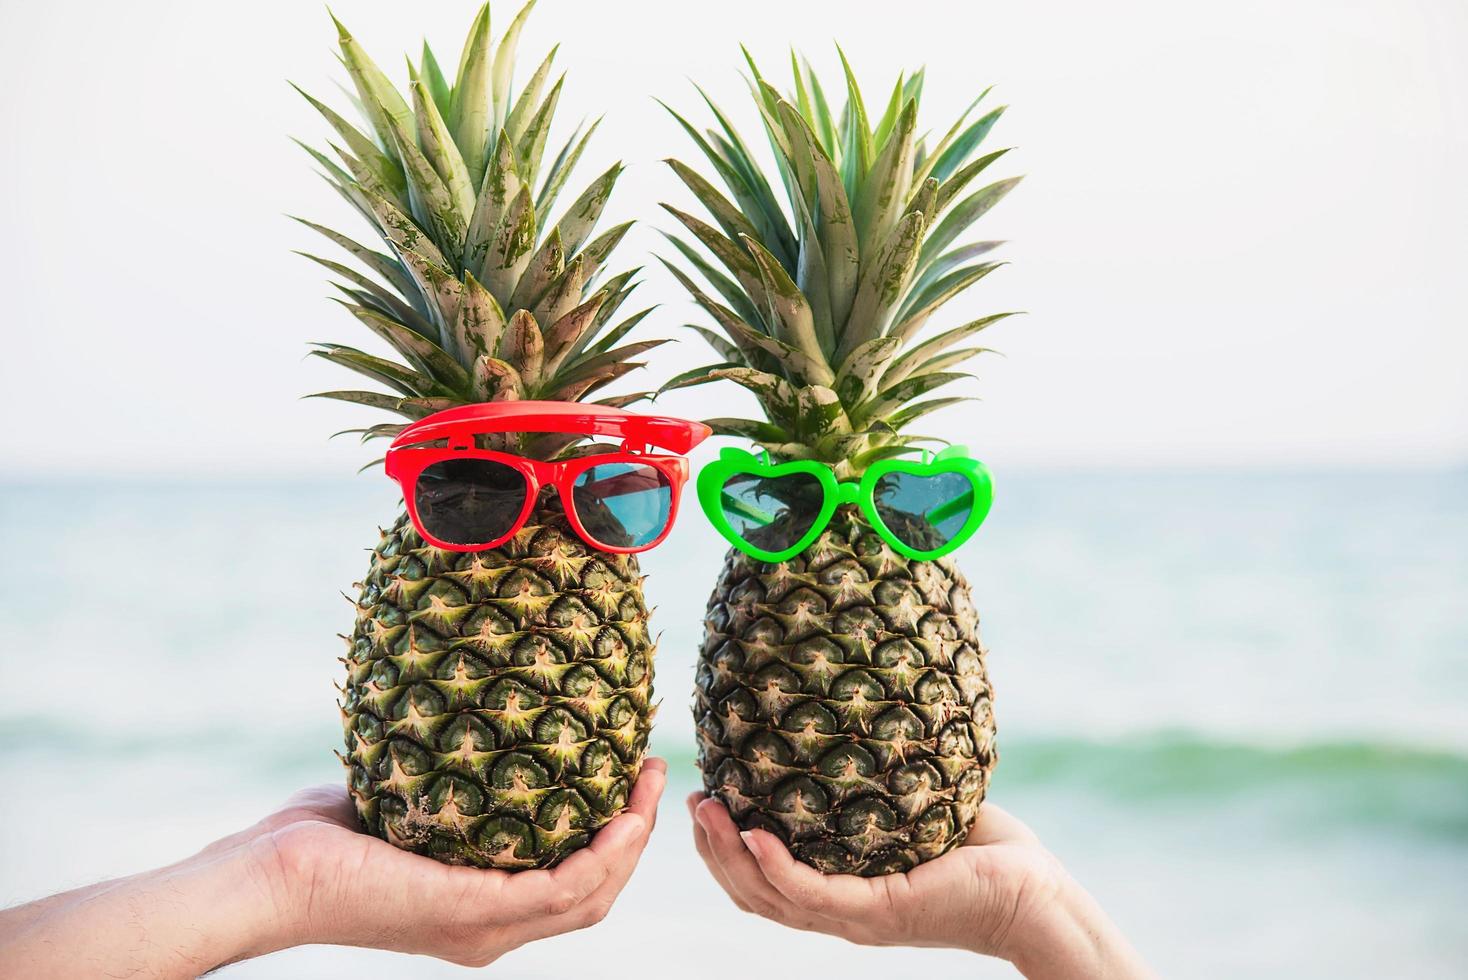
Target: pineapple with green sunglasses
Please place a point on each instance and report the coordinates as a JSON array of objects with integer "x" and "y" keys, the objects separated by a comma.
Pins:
[{"x": 842, "y": 700}]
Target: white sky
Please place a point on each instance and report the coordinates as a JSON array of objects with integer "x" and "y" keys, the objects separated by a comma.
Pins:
[{"x": 1242, "y": 239}]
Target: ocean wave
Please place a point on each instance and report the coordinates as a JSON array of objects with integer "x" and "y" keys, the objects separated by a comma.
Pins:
[
  {"x": 1321, "y": 784},
  {"x": 1316, "y": 785},
  {"x": 1183, "y": 762}
]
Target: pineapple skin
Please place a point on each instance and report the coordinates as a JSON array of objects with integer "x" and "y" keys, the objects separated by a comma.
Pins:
[
  {"x": 498, "y": 703},
  {"x": 842, "y": 702}
]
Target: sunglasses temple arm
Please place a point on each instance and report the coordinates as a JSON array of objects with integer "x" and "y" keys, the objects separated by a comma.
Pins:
[
  {"x": 945, "y": 510},
  {"x": 734, "y": 505}
]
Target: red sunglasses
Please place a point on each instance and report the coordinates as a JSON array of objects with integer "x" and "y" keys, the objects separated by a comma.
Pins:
[{"x": 462, "y": 498}]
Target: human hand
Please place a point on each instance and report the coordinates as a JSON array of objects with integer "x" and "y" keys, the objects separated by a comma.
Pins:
[
  {"x": 344, "y": 887},
  {"x": 307, "y": 874},
  {"x": 1000, "y": 894}
]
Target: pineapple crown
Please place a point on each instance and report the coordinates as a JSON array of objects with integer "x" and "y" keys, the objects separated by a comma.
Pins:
[
  {"x": 823, "y": 300},
  {"x": 482, "y": 297}
]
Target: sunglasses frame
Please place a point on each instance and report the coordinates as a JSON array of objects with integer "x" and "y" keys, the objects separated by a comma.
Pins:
[
  {"x": 457, "y": 427},
  {"x": 954, "y": 459},
  {"x": 407, "y": 465}
]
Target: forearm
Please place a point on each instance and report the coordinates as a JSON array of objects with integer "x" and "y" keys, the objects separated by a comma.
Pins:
[
  {"x": 178, "y": 921},
  {"x": 15, "y": 920},
  {"x": 1075, "y": 940}
]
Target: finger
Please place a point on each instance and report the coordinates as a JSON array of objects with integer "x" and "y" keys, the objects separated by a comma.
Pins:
[
  {"x": 546, "y": 893},
  {"x": 644, "y": 803},
  {"x": 614, "y": 849},
  {"x": 542, "y": 895},
  {"x": 587, "y": 868},
  {"x": 995, "y": 825},
  {"x": 329, "y": 801},
  {"x": 594, "y": 907},
  {"x": 701, "y": 845},
  {"x": 845, "y": 897},
  {"x": 742, "y": 874},
  {"x": 649, "y": 790}
]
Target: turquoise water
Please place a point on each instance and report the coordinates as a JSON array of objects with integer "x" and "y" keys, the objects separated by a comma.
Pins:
[{"x": 1236, "y": 704}]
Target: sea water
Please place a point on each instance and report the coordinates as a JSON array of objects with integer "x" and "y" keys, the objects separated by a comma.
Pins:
[{"x": 1234, "y": 703}]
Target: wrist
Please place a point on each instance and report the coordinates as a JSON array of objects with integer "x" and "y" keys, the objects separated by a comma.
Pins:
[
  {"x": 1069, "y": 937},
  {"x": 213, "y": 909},
  {"x": 243, "y": 907}
]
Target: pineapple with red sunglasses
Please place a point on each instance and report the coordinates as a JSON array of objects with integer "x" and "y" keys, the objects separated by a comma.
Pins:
[{"x": 497, "y": 702}]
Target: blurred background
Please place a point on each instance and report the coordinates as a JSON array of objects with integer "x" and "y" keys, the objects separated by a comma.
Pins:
[{"x": 1225, "y": 582}]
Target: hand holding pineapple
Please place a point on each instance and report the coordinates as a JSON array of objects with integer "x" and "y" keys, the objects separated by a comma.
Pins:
[
  {"x": 1000, "y": 893},
  {"x": 306, "y": 874},
  {"x": 340, "y": 886}
]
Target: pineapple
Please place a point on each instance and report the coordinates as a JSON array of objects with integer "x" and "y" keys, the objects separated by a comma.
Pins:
[
  {"x": 841, "y": 699},
  {"x": 497, "y": 704}
]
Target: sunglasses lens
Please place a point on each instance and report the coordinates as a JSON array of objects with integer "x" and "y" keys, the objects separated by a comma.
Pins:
[
  {"x": 469, "y": 501},
  {"x": 771, "y": 513},
  {"x": 623, "y": 505},
  {"x": 924, "y": 512}
]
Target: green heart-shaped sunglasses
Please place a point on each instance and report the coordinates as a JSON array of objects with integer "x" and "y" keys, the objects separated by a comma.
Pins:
[{"x": 922, "y": 508}]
